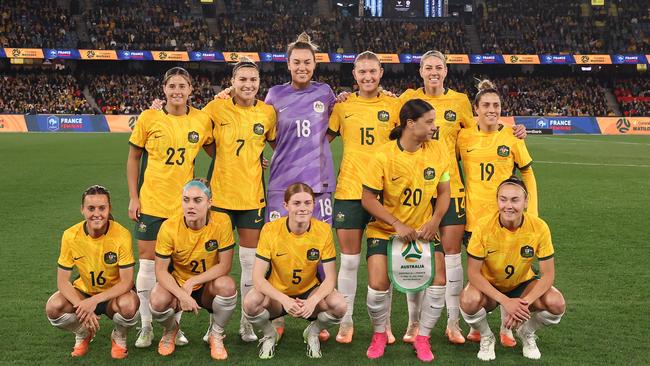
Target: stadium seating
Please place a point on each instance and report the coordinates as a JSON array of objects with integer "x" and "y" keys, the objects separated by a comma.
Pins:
[
  {"x": 633, "y": 94},
  {"x": 38, "y": 24},
  {"x": 41, "y": 92}
]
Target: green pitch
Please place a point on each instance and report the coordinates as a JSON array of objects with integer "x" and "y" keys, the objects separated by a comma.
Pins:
[{"x": 594, "y": 193}]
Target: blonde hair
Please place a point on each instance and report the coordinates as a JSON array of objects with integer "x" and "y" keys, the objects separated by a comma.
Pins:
[
  {"x": 303, "y": 42},
  {"x": 434, "y": 53},
  {"x": 243, "y": 62},
  {"x": 367, "y": 55},
  {"x": 485, "y": 86}
]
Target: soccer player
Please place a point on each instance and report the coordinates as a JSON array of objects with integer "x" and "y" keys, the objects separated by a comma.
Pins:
[
  {"x": 453, "y": 112},
  {"x": 406, "y": 174},
  {"x": 364, "y": 122},
  {"x": 100, "y": 249},
  {"x": 197, "y": 245},
  {"x": 242, "y": 126},
  {"x": 500, "y": 253},
  {"x": 490, "y": 153},
  {"x": 285, "y": 274},
  {"x": 164, "y": 145}
]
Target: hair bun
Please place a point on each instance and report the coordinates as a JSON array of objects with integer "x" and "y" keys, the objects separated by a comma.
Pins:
[
  {"x": 485, "y": 84},
  {"x": 304, "y": 37}
]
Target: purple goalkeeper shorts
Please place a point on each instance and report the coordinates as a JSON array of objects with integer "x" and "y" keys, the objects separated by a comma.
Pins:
[{"x": 322, "y": 206}]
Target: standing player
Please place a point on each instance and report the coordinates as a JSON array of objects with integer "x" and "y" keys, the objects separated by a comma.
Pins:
[
  {"x": 454, "y": 112},
  {"x": 364, "y": 122},
  {"x": 242, "y": 126},
  {"x": 197, "y": 245},
  {"x": 500, "y": 253},
  {"x": 406, "y": 174},
  {"x": 100, "y": 249},
  {"x": 490, "y": 154},
  {"x": 164, "y": 145},
  {"x": 286, "y": 274},
  {"x": 302, "y": 151}
]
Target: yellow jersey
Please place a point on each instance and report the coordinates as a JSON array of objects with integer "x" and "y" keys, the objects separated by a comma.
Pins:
[
  {"x": 508, "y": 256},
  {"x": 193, "y": 252},
  {"x": 407, "y": 182},
  {"x": 453, "y": 112},
  {"x": 98, "y": 261},
  {"x": 488, "y": 159},
  {"x": 294, "y": 258},
  {"x": 240, "y": 134},
  {"x": 364, "y": 125},
  {"x": 170, "y": 144}
]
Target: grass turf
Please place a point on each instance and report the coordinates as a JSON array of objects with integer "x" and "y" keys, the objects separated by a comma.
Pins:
[{"x": 593, "y": 194}]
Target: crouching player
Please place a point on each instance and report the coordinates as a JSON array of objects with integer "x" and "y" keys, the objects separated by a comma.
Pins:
[
  {"x": 100, "y": 249},
  {"x": 499, "y": 266},
  {"x": 285, "y": 274},
  {"x": 197, "y": 246}
]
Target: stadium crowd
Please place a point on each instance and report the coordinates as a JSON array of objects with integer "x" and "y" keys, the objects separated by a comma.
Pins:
[
  {"x": 633, "y": 95},
  {"x": 556, "y": 26},
  {"x": 36, "y": 24},
  {"x": 41, "y": 92}
]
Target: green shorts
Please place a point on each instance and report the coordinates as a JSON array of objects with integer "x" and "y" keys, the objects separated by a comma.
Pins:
[
  {"x": 380, "y": 246},
  {"x": 455, "y": 215},
  {"x": 350, "y": 214},
  {"x": 519, "y": 290},
  {"x": 244, "y": 219},
  {"x": 148, "y": 226}
]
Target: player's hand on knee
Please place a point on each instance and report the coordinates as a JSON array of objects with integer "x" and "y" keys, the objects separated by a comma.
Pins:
[
  {"x": 517, "y": 308},
  {"x": 157, "y": 104},
  {"x": 308, "y": 307},
  {"x": 86, "y": 309}
]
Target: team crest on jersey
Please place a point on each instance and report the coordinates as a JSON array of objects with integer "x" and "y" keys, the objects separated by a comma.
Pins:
[
  {"x": 193, "y": 137},
  {"x": 340, "y": 217},
  {"x": 429, "y": 173},
  {"x": 313, "y": 254},
  {"x": 110, "y": 258},
  {"x": 450, "y": 116},
  {"x": 383, "y": 116},
  {"x": 503, "y": 151},
  {"x": 274, "y": 215},
  {"x": 527, "y": 251},
  {"x": 319, "y": 107},
  {"x": 211, "y": 245},
  {"x": 142, "y": 227},
  {"x": 374, "y": 243},
  {"x": 258, "y": 129}
]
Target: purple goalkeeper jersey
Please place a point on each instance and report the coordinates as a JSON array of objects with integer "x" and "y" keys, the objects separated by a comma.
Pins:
[{"x": 302, "y": 153}]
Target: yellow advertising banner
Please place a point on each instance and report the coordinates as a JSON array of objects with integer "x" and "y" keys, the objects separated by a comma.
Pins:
[
  {"x": 624, "y": 125},
  {"x": 388, "y": 58},
  {"x": 24, "y": 53},
  {"x": 234, "y": 56},
  {"x": 593, "y": 59},
  {"x": 521, "y": 59},
  {"x": 121, "y": 123},
  {"x": 322, "y": 57},
  {"x": 98, "y": 54},
  {"x": 170, "y": 56},
  {"x": 457, "y": 59},
  {"x": 12, "y": 123}
]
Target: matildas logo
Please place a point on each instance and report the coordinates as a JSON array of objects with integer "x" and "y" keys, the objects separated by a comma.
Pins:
[
  {"x": 274, "y": 215},
  {"x": 110, "y": 258},
  {"x": 450, "y": 116},
  {"x": 142, "y": 227},
  {"x": 527, "y": 251},
  {"x": 503, "y": 151},
  {"x": 319, "y": 107},
  {"x": 429, "y": 173},
  {"x": 514, "y": 59},
  {"x": 90, "y": 54},
  {"x": 193, "y": 137},
  {"x": 15, "y": 52},
  {"x": 162, "y": 55},
  {"x": 340, "y": 217},
  {"x": 258, "y": 129},
  {"x": 383, "y": 116},
  {"x": 211, "y": 245},
  {"x": 411, "y": 251},
  {"x": 313, "y": 254}
]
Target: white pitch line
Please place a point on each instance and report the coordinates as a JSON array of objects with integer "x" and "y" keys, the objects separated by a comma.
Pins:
[
  {"x": 559, "y": 139},
  {"x": 591, "y": 164}
]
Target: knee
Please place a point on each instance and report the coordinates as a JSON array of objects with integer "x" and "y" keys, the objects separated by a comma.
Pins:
[
  {"x": 128, "y": 305},
  {"x": 252, "y": 303},
  {"x": 554, "y": 302},
  {"x": 340, "y": 307},
  {"x": 54, "y": 306},
  {"x": 470, "y": 301},
  {"x": 224, "y": 286},
  {"x": 158, "y": 301}
]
